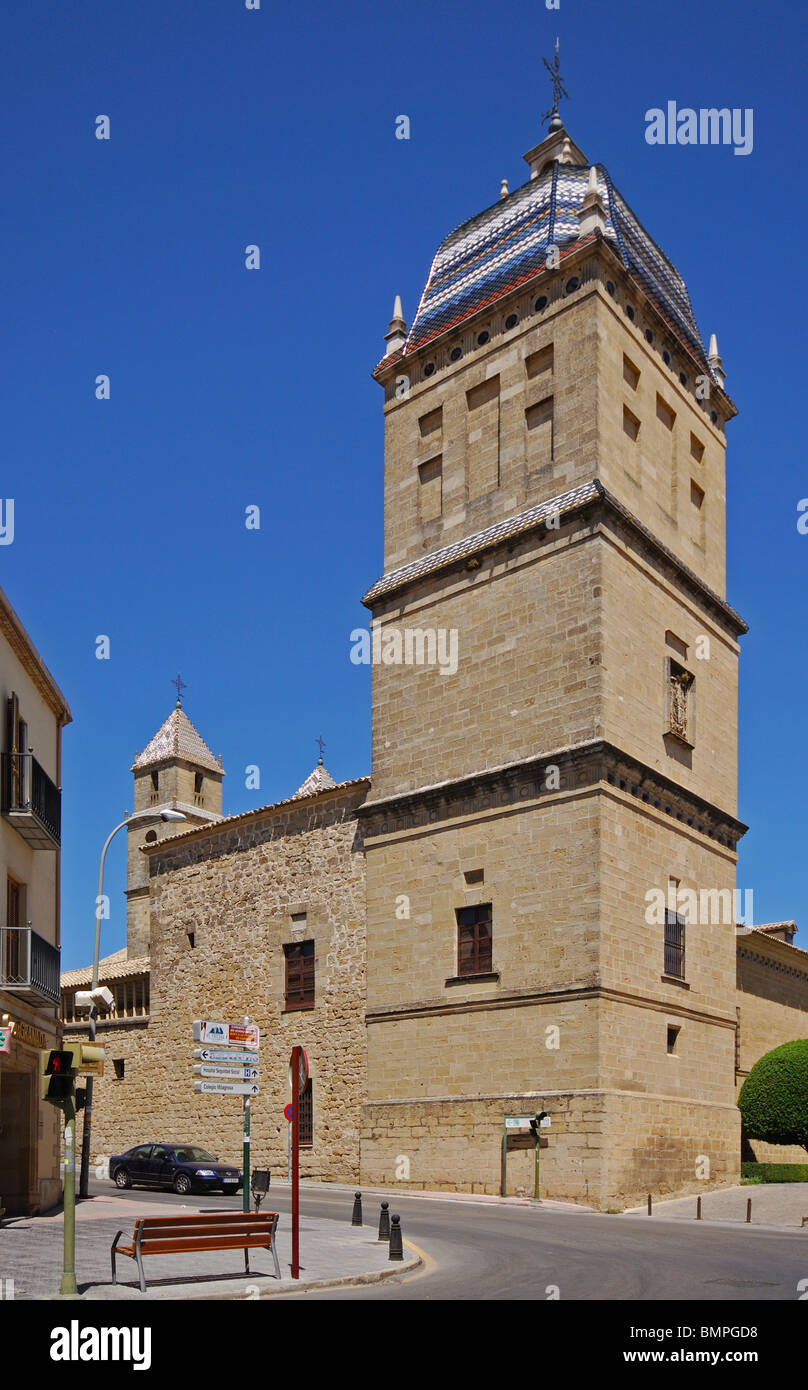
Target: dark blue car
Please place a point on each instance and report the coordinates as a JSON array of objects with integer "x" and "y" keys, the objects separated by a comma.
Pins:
[{"x": 183, "y": 1167}]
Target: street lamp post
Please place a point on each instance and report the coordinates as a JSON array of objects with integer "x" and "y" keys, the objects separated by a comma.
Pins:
[{"x": 84, "y": 1185}]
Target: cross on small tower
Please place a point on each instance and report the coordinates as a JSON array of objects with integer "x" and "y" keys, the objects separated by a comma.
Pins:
[
  {"x": 321, "y": 745},
  {"x": 180, "y": 684},
  {"x": 559, "y": 90}
]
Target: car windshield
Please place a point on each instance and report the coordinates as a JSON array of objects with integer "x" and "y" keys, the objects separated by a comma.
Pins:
[{"x": 194, "y": 1155}]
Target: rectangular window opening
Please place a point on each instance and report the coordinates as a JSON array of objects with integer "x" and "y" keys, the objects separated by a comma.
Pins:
[
  {"x": 631, "y": 374},
  {"x": 307, "y": 1117},
  {"x": 474, "y": 939},
  {"x": 299, "y": 975},
  {"x": 674, "y": 945},
  {"x": 665, "y": 414},
  {"x": 673, "y": 1035},
  {"x": 631, "y": 425},
  {"x": 539, "y": 362}
]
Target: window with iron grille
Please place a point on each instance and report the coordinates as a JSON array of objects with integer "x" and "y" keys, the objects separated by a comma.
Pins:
[
  {"x": 674, "y": 944},
  {"x": 474, "y": 939},
  {"x": 307, "y": 1117},
  {"x": 299, "y": 975}
]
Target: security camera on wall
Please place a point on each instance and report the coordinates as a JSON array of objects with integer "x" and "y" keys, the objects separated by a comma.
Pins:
[{"x": 101, "y": 998}]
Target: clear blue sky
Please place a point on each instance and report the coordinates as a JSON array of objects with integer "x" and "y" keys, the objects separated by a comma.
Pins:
[{"x": 231, "y": 388}]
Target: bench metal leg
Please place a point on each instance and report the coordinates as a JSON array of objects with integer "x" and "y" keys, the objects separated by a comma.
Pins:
[
  {"x": 275, "y": 1257},
  {"x": 246, "y": 1261},
  {"x": 113, "y": 1248}
]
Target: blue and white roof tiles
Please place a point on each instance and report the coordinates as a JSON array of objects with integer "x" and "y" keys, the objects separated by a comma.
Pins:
[{"x": 506, "y": 245}]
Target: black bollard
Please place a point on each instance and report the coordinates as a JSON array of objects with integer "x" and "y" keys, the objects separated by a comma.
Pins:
[
  {"x": 698, "y": 1208},
  {"x": 384, "y": 1222},
  {"x": 356, "y": 1219},
  {"x": 748, "y": 1209},
  {"x": 396, "y": 1245},
  {"x": 650, "y": 1208}
]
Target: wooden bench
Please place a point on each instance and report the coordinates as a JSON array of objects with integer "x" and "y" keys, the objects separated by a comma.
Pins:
[{"x": 168, "y": 1235}]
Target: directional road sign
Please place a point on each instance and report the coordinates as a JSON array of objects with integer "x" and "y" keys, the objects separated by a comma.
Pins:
[
  {"x": 236, "y": 1073},
  {"x": 227, "y": 1034},
  {"x": 224, "y": 1054},
  {"x": 227, "y": 1088}
]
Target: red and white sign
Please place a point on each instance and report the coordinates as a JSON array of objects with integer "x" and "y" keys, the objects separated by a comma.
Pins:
[
  {"x": 227, "y": 1034},
  {"x": 303, "y": 1072}
]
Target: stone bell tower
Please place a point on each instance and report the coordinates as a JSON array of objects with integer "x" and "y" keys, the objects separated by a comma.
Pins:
[
  {"x": 555, "y": 498},
  {"x": 176, "y": 771}
]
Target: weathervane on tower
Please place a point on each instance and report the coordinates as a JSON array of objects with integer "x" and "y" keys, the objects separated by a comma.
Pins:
[
  {"x": 180, "y": 684},
  {"x": 559, "y": 90}
]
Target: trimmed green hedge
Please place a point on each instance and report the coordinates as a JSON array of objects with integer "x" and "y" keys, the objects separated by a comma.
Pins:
[
  {"x": 775, "y": 1172},
  {"x": 774, "y": 1097}
]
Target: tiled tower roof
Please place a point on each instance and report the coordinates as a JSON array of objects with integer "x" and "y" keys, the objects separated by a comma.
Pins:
[
  {"x": 177, "y": 738},
  {"x": 506, "y": 245},
  {"x": 319, "y": 780}
]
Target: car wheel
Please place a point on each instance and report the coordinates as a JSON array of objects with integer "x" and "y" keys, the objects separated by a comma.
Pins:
[
  {"x": 122, "y": 1178},
  {"x": 182, "y": 1184}
]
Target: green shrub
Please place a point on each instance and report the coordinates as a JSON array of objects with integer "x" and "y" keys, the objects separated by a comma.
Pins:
[
  {"x": 774, "y": 1172},
  {"x": 774, "y": 1097}
]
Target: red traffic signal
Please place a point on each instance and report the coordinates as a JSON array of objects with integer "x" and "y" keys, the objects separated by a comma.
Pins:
[
  {"x": 59, "y": 1064},
  {"x": 57, "y": 1076}
]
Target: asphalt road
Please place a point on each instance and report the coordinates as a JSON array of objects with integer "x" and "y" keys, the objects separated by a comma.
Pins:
[{"x": 487, "y": 1251}]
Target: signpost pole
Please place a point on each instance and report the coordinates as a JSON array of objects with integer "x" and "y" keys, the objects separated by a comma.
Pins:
[
  {"x": 536, "y": 1174},
  {"x": 295, "y": 1162},
  {"x": 68, "y": 1285},
  {"x": 245, "y": 1191}
]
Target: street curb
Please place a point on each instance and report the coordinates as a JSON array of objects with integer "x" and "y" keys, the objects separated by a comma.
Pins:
[{"x": 343, "y": 1280}]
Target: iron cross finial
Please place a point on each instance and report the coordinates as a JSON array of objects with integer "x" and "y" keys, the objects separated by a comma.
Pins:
[
  {"x": 319, "y": 741},
  {"x": 559, "y": 90},
  {"x": 180, "y": 684}
]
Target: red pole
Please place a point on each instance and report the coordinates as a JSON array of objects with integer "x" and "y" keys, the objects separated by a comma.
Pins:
[{"x": 295, "y": 1162}]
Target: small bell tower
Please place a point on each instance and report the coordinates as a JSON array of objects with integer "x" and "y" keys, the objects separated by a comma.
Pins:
[{"x": 175, "y": 772}]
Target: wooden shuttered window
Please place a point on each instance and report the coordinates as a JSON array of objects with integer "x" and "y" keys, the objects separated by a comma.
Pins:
[
  {"x": 474, "y": 938},
  {"x": 299, "y": 975}
]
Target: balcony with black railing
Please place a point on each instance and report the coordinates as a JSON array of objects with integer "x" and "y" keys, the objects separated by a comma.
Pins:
[
  {"x": 29, "y": 965},
  {"x": 31, "y": 801}
]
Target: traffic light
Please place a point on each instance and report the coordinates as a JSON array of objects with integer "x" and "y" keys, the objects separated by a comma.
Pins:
[
  {"x": 89, "y": 1059},
  {"x": 57, "y": 1075}
]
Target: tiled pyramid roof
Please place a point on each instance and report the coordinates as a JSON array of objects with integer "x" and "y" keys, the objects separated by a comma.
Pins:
[
  {"x": 319, "y": 780},
  {"x": 507, "y": 244},
  {"x": 177, "y": 738}
]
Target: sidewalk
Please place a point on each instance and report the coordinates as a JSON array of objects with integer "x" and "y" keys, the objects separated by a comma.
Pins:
[
  {"x": 331, "y": 1252},
  {"x": 773, "y": 1204}
]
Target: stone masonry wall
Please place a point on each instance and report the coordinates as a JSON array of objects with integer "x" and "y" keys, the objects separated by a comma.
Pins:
[{"x": 235, "y": 888}]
